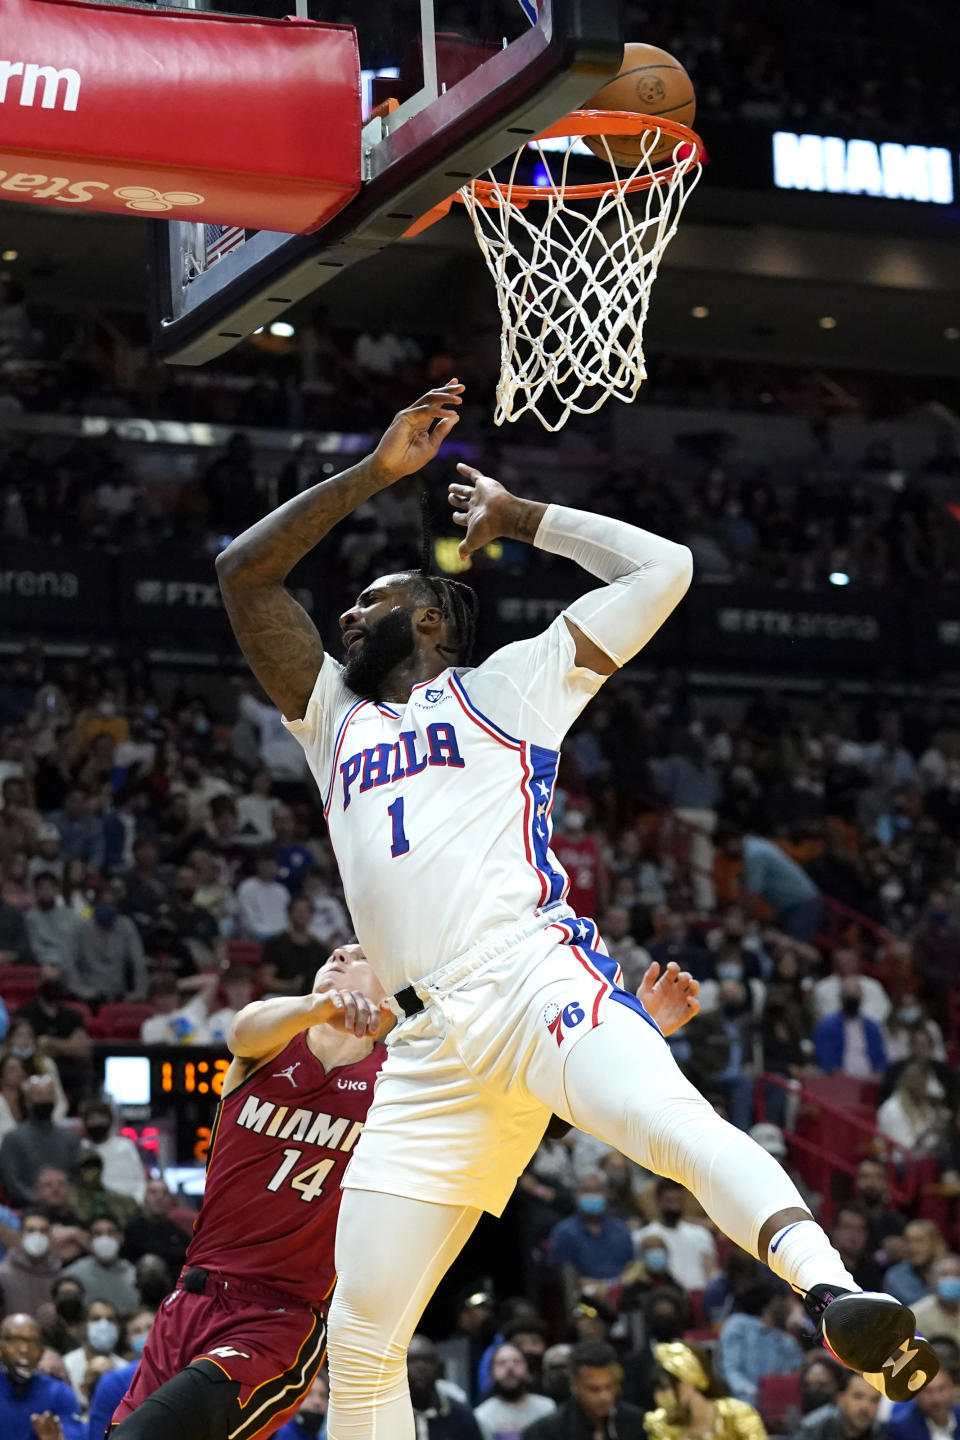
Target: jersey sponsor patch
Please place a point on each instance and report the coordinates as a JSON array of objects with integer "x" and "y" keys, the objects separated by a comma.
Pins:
[{"x": 556, "y": 1018}]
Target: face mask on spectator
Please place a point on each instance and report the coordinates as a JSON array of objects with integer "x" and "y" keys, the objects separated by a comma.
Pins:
[
  {"x": 154, "y": 1288},
  {"x": 850, "y": 1005},
  {"x": 592, "y": 1204},
  {"x": 106, "y": 708},
  {"x": 656, "y": 1261},
  {"x": 729, "y": 970},
  {"x": 948, "y": 1289},
  {"x": 666, "y": 1326},
  {"x": 97, "y": 1131},
  {"x": 104, "y": 914},
  {"x": 41, "y": 1110},
  {"x": 910, "y": 1014},
  {"x": 310, "y": 1422},
  {"x": 50, "y": 991},
  {"x": 20, "y": 1377},
  {"x": 105, "y": 1248},
  {"x": 101, "y": 1334},
  {"x": 813, "y": 1396},
  {"x": 23, "y": 1052},
  {"x": 69, "y": 1308},
  {"x": 137, "y": 1342},
  {"x": 36, "y": 1243}
]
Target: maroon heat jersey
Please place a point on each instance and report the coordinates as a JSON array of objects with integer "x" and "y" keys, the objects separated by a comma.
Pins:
[{"x": 280, "y": 1145}]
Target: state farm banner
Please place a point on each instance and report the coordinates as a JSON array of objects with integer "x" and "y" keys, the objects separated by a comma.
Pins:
[
  {"x": 47, "y": 588},
  {"x": 837, "y": 627},
  {"x": 178, "y": 114}
]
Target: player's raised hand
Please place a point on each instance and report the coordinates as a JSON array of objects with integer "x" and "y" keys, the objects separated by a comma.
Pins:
[
  {"x": 671, "y": 998},
  {"x": 481, "y": 506},
  {"x": 415, "y": 434}
]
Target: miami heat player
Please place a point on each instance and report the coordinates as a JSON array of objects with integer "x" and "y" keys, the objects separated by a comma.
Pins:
[
  {"x": 235, "y": 1348},
  {"x": 236, "y": 1345}
]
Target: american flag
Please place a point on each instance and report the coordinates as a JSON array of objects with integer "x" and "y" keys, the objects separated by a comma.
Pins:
[{"x": 219, "y": 240}]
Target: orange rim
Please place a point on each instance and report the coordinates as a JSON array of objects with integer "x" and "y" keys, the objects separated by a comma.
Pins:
[
  {"x": 490, "y": 193},
  {"x": 595, "y": 122}
]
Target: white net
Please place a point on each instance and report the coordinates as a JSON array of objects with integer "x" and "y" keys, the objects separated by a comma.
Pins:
[{"x": 574, "y": 275}]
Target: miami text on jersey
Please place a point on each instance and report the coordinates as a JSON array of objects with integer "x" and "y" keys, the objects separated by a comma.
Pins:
[
  {"x": 383, "y": 764},
  {"x": 308, "y": 1126}
]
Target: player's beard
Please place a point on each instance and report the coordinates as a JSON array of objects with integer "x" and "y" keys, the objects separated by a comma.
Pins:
[{"x": 385, "y": 646}]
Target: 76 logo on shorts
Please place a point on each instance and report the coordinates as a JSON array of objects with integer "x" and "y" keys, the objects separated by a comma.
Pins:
[{"x": 555, "y": 1018}]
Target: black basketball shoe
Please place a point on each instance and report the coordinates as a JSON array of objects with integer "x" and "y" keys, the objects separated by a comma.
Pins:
[{"x": 874, "y": 1335}]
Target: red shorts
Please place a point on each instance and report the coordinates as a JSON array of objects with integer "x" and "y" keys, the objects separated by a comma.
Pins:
[{"x": 271, "y": 1345}]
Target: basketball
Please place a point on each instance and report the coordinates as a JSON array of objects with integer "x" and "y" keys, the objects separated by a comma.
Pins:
[{"x": 652, "y": 82}]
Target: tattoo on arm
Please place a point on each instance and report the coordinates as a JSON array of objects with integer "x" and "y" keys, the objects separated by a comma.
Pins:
[
  {"x": 277, "y": 636},
  {"x": 279, "y": 640}
]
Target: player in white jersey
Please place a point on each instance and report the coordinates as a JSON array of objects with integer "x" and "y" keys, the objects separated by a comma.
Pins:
[{"x": 437, "y": 781}]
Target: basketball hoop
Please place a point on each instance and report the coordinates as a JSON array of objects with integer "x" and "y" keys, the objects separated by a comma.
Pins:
[{"x": 573, "y": 287}]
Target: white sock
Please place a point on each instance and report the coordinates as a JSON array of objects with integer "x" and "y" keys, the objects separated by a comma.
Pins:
[{"x": 802, "y": 1255}]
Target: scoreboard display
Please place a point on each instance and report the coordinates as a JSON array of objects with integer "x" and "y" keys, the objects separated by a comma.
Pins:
[
  {"x": 180, "y": 1076},
  {"x": 166, "y": 1096}
]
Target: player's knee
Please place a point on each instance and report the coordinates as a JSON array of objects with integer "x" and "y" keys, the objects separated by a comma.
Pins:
[
  {"x": 683, "y": 1136},
  {"x": 366, "y": 1343}
]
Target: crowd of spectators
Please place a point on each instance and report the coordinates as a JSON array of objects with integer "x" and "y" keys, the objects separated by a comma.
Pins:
[
  {"x": 878, "y": 521},
  {"x": 161, "y": 843}
]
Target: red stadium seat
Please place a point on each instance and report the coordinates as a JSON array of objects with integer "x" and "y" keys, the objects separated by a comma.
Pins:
[
  {"x": 18, "y": 984},
  {"x": 244, "y": 952},
  {"x": 778, "y": 1400},
  {"x": 122, "y": 1020},
  {"x": 90, "y": 1022}
]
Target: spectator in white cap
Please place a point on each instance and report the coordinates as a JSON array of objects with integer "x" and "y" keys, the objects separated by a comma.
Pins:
[
  {"x": 772, "y": 1139},
  {"x": 47, "y": 858}
]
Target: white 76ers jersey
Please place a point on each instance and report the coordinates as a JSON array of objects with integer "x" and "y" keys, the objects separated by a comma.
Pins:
[{"x": 439, "y": 811}]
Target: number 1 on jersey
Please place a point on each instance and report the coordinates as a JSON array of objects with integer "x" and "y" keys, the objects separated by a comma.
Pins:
[{"x": 400, "y": 844}]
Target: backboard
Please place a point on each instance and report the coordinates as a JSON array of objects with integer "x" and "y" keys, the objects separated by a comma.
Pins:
[{"x": 471, "y": 78}]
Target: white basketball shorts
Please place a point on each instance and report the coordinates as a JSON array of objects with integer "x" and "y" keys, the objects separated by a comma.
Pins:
[{"x": 469, "y": 1084}]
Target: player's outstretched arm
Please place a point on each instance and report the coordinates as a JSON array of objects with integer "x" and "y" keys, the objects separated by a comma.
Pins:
[
  {"x": 278, "y": 638},
  {"x": 266, "y": 1026},
  {"x": 646, "y": 576},
  {"x": 670, "y": 998}
]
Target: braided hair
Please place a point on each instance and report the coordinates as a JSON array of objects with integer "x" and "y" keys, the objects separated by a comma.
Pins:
[{"x": 458, "y": 602}]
